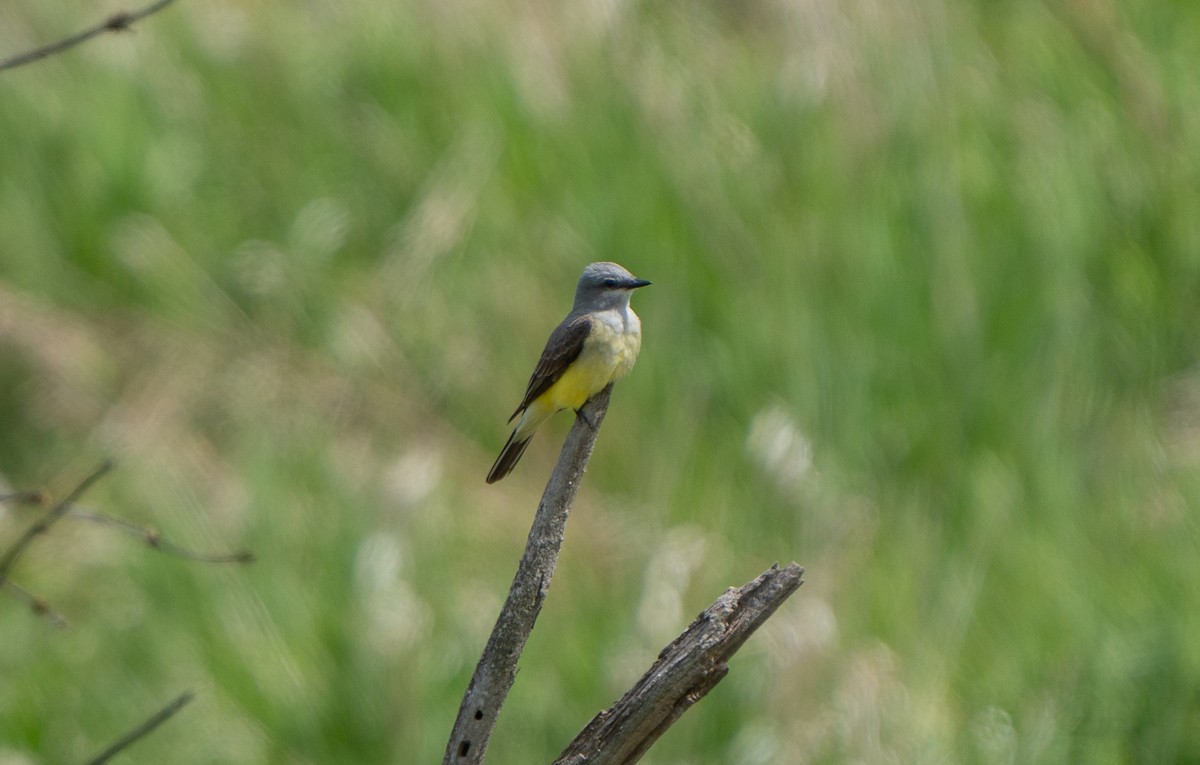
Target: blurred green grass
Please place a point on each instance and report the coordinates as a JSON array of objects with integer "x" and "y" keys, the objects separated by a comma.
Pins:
[{"x": 924, "y": 319}]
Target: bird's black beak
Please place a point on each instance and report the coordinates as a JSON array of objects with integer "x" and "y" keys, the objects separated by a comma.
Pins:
[{"x": 633, "y": 284}]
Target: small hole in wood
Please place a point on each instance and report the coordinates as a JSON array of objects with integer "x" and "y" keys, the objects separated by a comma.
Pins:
[
  {"x": 463, "y": 748},
  {"x": 478, "y": 714}
]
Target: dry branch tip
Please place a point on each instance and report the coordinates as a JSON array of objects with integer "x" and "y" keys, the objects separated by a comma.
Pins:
[
  {"x": 118, "y": 22},
  {"x": 142, "y": 730}
]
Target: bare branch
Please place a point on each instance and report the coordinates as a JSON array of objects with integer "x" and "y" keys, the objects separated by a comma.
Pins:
[
  {"x": 130, "y": 738},
  {"x": 36, "y": 603},
  {"x": 150, "y": 536},
  {"x": 497, "y": 667},
  {"x": 37, "y": 497},
  {"x": 153, "y": 538},
  {"x": 18, "y": 548},
  {"x": 684, "y": 672},
  {"x": 118, "y": 22}
]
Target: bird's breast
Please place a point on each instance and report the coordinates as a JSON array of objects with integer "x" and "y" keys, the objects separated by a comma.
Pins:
[
  {"x": 620, "y": 341},
  {"x": 608, "y": 354}
]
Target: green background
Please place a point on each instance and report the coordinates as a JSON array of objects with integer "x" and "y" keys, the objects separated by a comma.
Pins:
[{"x": 924, "y": 319}]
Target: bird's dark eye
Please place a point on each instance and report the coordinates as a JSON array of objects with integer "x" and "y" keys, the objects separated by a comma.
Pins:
[{"x": 610, "y": 282}]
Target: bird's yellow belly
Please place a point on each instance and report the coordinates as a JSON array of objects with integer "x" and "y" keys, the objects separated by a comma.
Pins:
[{"x": 608, "y": 355}]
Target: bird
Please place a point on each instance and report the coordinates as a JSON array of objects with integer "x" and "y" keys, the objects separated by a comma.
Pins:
[{"x": 595, "y": 345}]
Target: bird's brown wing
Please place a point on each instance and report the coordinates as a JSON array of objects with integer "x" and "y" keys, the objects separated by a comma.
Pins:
[{"x": 563, "y": 347}]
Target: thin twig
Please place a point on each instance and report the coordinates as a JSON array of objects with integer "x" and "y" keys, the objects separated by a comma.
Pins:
[
  {"x": 497, "y": 667},
  {"x": 118, "y": 22},
  {"x": 53, "y": 515},
  {"x": 153, "y": 538},
  {"x": 155, "y": 720},
  {"x": 36, "y": 603},
  {"x": 38, "y": 497},
  {"x": 150, "y": 536},
  {"x": 684, "y": 672}
]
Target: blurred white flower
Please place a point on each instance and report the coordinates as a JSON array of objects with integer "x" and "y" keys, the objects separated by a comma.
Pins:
[{"x": 777, "y": 444}]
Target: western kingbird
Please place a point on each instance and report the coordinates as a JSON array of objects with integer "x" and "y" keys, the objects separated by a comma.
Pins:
[{"x": 595, "y": 345}]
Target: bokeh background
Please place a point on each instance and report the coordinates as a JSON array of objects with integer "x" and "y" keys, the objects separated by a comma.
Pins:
[{"x": 924, "y": 319}]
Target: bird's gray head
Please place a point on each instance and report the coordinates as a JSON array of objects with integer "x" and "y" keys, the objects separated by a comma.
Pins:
[{"x": 605, "y": 285}]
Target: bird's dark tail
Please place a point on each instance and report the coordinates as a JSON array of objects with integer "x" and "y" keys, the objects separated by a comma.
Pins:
[{"x": 509, "y": 456}]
